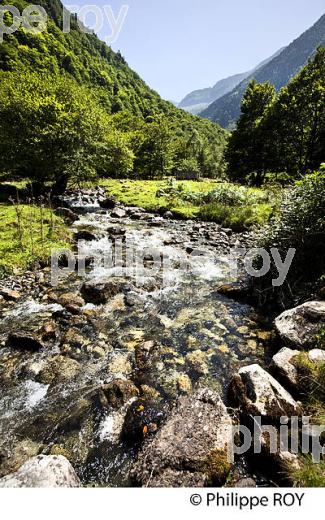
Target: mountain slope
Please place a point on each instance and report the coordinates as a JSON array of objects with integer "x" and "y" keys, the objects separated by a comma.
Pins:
[
  {"x": 206, "y": 96},
  {"x": 198, "y": 100},
  {"x": 94, "y": 65},
  {"x": 278, "y": 71},
  {"x": 85, "y": 58},
  {"x": 82, "y": 56}
]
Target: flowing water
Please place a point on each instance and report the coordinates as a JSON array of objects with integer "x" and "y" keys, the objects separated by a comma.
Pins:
[{"x": 49, "y": 399}]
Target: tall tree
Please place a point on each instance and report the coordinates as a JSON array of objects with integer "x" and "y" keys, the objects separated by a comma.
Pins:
[
  {"x": 155, "y": 153},
  {"x": 295, "y": 125},
  {"x": 245, "y": 149}
]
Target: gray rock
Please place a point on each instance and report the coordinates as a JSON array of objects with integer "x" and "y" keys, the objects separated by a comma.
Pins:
[
  {"x": 118, "y": 213},
  {"x": 283, "y": 461},
  {"x": 194, "y": 439},
  {"x": 317, "y": 355},
  {"x": 300, "y": 325},
  {"x": 43, "y": 472},
  {"x": 100, "y": 293},
  {"x": 260, "y": 394},
  {"x": 116, "y": 231},
  {"x": 108, "y": 203},
  {"x": 171, "y": 478},
  {"x": 227, "y": 231},
  {"x": 67, "y": 214},
  {"x": 156, "y": 221},
  {"x": 281, "y": 363},
  {"x": 85, "y": 235},
  {"x": 10, "y": 295}
]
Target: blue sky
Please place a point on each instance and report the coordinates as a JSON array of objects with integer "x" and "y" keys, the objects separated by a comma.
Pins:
[{"x": 180, "y": 45}]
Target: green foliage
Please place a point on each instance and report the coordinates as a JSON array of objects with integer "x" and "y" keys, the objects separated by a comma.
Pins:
[
  {"x": 283, "y": 133},
  {"x": 311, "y": 377},
  {"x": 155, "y": 155},
  {"x": 28, "y": 233},
  {"x": 300, "y": 224},
  {"x": 160, "y": 195},
  {"x": 312, "y": 383},
  {"x": 238, "y": 218},
  {"x": 321, "y": 339},
  {"x": 310, "y": 474},
  {"x": 244, "y": 150},
  {"x": 81, "y": 103},
  {"x": 187, "y": 199},
  {"x": 59, "y": 124},
  {"x": 295, "y": 124}
]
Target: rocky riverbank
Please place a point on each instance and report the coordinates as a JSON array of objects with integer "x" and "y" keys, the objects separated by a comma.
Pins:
[{"x": 136, "y": 377}]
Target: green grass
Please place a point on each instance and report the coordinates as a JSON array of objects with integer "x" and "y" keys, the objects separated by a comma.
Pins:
[
  {"x": 238, "y": 218},
  {"x": 28, "y": 234},
  {"x": 320, "y": 338},
  {"x": 187, "y": 199},
  {"x": 143, "y": 193}
]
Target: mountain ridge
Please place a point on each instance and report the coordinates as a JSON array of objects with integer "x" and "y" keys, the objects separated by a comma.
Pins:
[
  {"x": 278, "y": 71},
  {"x": 206, "y": 96}
]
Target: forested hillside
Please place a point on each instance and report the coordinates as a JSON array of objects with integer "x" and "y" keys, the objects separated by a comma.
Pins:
[
  {"x": 78, "y": 82},
  {"x": 278, "y": 71},
  {"x": 282, "y": 133}
]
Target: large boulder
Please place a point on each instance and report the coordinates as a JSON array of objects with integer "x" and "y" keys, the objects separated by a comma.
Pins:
[
  {"x": 9, "y": 294},
  {"x": 43, "y": 472},
  {"x": 191, "y": 448},
  {"x": 281, "y": 364},
  {"x": 300, "y": 325},
  {"x": 259, "y": 394},
  {"x": 317, "y": 356},
  {"x": 22, "y": 341},
  {"x": 100, "y": 293},
  {"x": 117, "y": 393},
  {"x": 108, "y": 203},
  {"x": 67, "y": 300},
  {"x": 85, "y": 235},
  {"x": 67, "y": 214},
  {"x": 118, "y": 213}
]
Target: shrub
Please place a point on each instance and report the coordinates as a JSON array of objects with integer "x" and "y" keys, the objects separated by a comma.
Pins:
[
  {"x": 238, "y": 218},
  {"x": 227, "y": 194},
  {"x": 300, "y": 224}
]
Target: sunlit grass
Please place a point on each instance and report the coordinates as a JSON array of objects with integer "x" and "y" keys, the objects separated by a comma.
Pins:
[
  {"x": 28, "y": 233},
  {"x": 258, "y": 207}
]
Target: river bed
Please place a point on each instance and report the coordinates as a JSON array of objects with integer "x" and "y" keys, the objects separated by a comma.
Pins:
[{"x": 168, "y": 333}]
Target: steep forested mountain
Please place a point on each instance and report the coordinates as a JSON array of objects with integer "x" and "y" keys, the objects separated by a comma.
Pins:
[
  {"x": 116, "y": 89},
  {"x": 278, "y": 71},
  {"x": 198, "y": 100}
]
